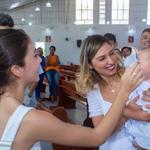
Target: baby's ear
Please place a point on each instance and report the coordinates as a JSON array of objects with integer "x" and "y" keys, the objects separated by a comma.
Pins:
[{"x": 16, "y": 70}]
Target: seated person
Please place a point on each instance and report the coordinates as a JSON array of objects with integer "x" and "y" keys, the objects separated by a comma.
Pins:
[
  {"x": 126, "y": 51},
  {"x": 41, "y": 73},
  {"x": 145, "y": 43},
  {"x": 52, "y": 73}
]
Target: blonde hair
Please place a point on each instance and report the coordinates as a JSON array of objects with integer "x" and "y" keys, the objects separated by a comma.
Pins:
[{"x": 87, "y": 77}]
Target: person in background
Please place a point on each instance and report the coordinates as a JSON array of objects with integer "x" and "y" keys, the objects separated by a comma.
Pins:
[
  {"x": 112, "y": 39},
  {"x": 22, "y": 127},
  {"x": 117, "y": 50},
  {"x": 99, "y": 78},
  {"x": 29, "y": 95},
  {"x": 119, "y": 55},
  {"x": 41, "y": 72},
  {"x": 144, "y": 42},
  {"x": 145, "y": 38},
  {"x": 126, "y": 51},
  {"x": 6, "y": 21},
  {"x": 52, "y": 73}
]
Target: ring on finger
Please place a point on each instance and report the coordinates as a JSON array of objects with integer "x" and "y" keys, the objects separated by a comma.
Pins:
[{"x": 134, "y": 73}]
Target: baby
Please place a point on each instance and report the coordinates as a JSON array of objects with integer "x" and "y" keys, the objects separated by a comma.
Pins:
[{"x": 139, "y": 131}]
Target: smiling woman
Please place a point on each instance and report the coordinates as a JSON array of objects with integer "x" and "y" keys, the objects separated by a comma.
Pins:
[{"x": 100, "y": 79}]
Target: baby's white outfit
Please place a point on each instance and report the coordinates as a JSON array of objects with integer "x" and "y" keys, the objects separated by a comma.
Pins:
[
  {"x": 140, "y": 130},
  {"x": 12, "y": 127}
]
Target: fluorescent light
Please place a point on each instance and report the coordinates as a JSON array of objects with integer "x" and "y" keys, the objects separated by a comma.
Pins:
[
  {"x": 22, "y": 19},
  {"x": 48, "y": 4},
  {"x": 14, "y": 5},
  {"x": 107, "y": 22},
  {"x": 37, "y": 9},
  {"x": 143, "y": 20},
  {"x": 30, "y": 23}
]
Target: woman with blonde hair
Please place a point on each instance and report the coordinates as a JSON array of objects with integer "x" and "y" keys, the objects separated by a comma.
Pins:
[{"x": 100, "y": 80}]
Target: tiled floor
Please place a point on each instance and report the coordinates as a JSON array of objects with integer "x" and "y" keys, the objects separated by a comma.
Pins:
[{"x": 77, "y": 115}]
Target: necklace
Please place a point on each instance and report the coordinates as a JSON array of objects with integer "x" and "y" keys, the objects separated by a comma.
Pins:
[{"x": 112, "y": 89}]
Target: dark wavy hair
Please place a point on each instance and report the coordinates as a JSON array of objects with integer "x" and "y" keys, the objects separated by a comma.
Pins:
[
  {"x": 13, "y": 49},
  {"x": 6, "y": 20}
]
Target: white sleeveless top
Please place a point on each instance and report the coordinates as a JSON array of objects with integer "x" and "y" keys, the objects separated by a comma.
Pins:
[{"x": 12, "y": 127}]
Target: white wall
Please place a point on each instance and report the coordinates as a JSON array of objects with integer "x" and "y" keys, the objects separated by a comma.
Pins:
[
  {"x": 68, "y": 50},
  {"x": 59, "y": 21}
]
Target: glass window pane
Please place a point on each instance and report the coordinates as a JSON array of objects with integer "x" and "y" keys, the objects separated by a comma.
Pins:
[
  {"x": 120, "y": 14},
  {"x": 102, "y": 11},
  {"x": 84, "y": 4},
  {"x": 148, "y": 13},
  {"x": 120, "y": 4},
  {"x": 84, "y": 15},
  {"x": 78, "y": 4},
  {"x": 114, "y": 4},
  {"x": 126, "y": 15},
  {"x": 148, "y": 22},
  {"x": 84, "y": 11},
  {"x": 90, "y": 4},
  {"x": 90, "y": 15},
  {"x": 120, "y": 11},
  {"x": 126, "y": 4},
  {"x": 114, "y": 14},
  {"x": 78, "y": 15}
]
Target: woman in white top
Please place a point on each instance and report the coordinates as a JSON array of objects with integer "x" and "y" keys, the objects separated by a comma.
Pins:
[
  {"x": 21, "y": 126},
  {"x": 100, "y": 78}
]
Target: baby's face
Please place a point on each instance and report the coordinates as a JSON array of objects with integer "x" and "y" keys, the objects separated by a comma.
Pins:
[{"x": 144, "y": 59}]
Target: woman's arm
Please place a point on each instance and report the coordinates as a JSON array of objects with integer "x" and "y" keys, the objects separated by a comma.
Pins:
[{"x": 47, "y": 127}]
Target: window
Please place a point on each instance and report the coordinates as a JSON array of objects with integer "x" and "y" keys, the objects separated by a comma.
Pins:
[
  {"x": 148, "y": 12},
  {"x": 120, "y": 11},
  {"x": 101, "y": 11},
  {"x": 84, "y": 12}
]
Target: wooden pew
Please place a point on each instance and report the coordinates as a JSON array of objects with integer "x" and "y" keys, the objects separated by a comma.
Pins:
[{"x": 68, "y": 94}]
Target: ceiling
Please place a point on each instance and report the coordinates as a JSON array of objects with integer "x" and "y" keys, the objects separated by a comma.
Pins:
[{"x": 5, "y": 4}]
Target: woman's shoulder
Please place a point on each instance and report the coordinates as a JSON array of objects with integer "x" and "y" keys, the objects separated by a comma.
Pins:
[
  {"x": 94, "y": 92},
  {"x": 34, "y": 116},
  {"x": 34, "y": 122}
]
